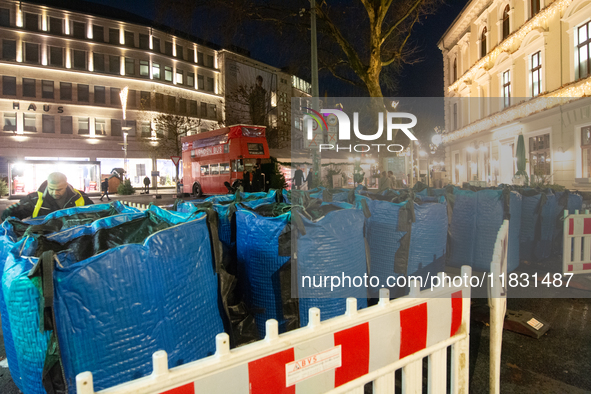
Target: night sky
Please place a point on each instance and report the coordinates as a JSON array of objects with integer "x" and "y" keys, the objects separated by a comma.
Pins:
[{"x": 424, "y": 79}]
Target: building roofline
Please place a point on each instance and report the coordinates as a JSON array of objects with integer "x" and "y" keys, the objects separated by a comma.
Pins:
[{"x": 450, "y": 28}]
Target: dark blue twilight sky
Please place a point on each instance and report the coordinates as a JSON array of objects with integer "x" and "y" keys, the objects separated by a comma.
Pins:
[{"x": 424, "y": 79}]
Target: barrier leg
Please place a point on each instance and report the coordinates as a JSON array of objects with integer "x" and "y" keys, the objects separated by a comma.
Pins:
[
  {"x": 498, "y": 307},
  {"x": 460, "y": 351},
  {"x": 437, "y": 371},
  {"x": 412, "y": 377}
]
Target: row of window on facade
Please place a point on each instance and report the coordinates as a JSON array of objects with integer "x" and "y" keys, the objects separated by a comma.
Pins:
[
  {"x": 80, "y": 30},
  {"x": 159, "y": 102},
  {"x": 109, "y": 64},
  {"x": 50, "y": 124},
  {"x": 582, "y": 42}
]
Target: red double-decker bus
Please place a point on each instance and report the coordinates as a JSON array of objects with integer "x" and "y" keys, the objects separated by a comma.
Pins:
[{"x": 214, "y": 159}]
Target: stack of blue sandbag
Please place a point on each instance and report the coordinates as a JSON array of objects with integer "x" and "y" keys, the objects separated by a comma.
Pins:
[
  {"x": 12, "y": 230},
  {"x": 125, "y": 286},
  {"x": 538, "y": 221},
  {"x": 475, "y": 220},
  {"x": 328, "y": 239}
]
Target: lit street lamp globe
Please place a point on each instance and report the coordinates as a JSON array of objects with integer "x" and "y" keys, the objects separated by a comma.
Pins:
[{"x": 436, "y": 139}]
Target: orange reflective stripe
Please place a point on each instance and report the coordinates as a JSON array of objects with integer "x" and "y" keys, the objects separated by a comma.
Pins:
[{"x": 38, "y": 205}]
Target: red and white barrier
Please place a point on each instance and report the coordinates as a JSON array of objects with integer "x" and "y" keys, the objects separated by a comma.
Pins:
[
  {"x": 576, "y": 251},
  {"x": 339, "y": 355},
  {"x": 498, "y": 305}
]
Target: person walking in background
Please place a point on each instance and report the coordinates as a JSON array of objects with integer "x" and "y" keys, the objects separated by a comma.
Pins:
[
  {"x": 310, "y": 179},
  {"x": 54, "y": 194},
  {"x": 298, "y": 178},
  {"x": 392, "y": 180},
  {"x": 105, "y": 189},
  {"x": 246, "y": 181},
  {"x": 384, "y": 183},
  {"x": 147, "y": 185}
]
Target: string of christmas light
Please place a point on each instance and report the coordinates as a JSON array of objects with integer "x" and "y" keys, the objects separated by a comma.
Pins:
[
  {"x": 540, "y": 20},
  {"x": 558, "y": 97}
]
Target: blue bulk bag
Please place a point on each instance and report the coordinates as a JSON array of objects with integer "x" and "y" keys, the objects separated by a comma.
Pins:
[
  {"x": 12, "y": 229},
  {"x": 331, "y": 245},
  {"x": 538, "y": 219},
  {"x": 115, "y": 308}
]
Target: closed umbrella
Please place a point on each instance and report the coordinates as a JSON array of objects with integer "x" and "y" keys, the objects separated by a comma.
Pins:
[{"x": 520, "y": 156}]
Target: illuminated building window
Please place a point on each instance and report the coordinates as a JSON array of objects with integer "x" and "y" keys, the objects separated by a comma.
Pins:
[
  {"x": 56, "y": 56},
  {"x": 156, "y": 71},
  {"x": 83, "y": 126},
  {"x": 536, "y": 74},
  {"x": 191, "y": 79},
  {"x": 179, "y": 77},
  {"x": 535, "y": 7},
  {"x": 65, "y": 91},
  {"x": 47, "y": 89},
  {"x": 48, "y": 124},
  {"x": 30, "y": 121},
  {"x": 144, "y": 68},
  {"x": 539, "y": 155},
  {"x": 168, "y": 74},
  {"x": 506, "y": 30},
  {"x": 9, "y": 50},
  {"x": 145, "y": 129},
  {"x": 56, "y": 26},
  {"x": 129, "y": 66},
  {"x": 506, "y": 89},
  {"x": 9, "y": 121},
  {"x": 29, "y": 87},
  {"x": 584, "y": 50},
  {"x": 100, "y": 127}
]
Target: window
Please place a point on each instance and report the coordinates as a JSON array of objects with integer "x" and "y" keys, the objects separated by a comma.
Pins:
[
  {"x": 115, "y": 97},
  {"x": 47, "y": 89},
  {"x": 29, "y": 87},
  {"x": 191, "y": 55},
  {"x": 82, "y": 125},
  {"x": 203, "y": 110},
  {"x": 455, "y": 70},
  {"x": 214, "y": 169},
  {"x": 200, "y": 83},
  {"x": 115, "y": 65},
  {"x": 283, "y": 116},
  {"x": 455, "y": 117},
  {"x": 193, "y": 108},
  {"x": 168, "y": 48},
  {"x": 131, "y": 99},
  {"x": 78, "y": 30},
  {"x": 56, "y": 26},
  {"x": 256, "y": 149},
  {"x": 115, "y": 128},
  {"x": 66, "y": 125},
  {"x": 483, "y": 43},
  {"x": 79, "y": 62},
  {"x": 144, "y": 68},
  {"x": 209, "y": 84},
  {"x": 585, "y": 145},
  {"x": 155, "y": 71},
  {"x": 56, "y": 56},
  {"x": 168, "y": 74},
  {"x": 9, "y": 50},
  {"x": 99, "y": 95},
  {"x": 212, "y": 111},
  {"x": 156, "y": 44},
  {"x": 144, "y": 41},
  {"x": 83, "y": 94},
  {"x": 506, "y": 30},
  {"x": 48, "y": 124},
  {"x": 10, "y": 121},
  {"x": 179, "y": 77},
  {"x": 535, "y": 7},
  {"x": 145, "y": 100},
  {"x": 182, "y": 106},
  {"x": 98, "y": 33},
  {"x": 114, "y": 37},
  {"x": 4, "y": 17},
  {"x": 200, "y": 58},
  {"x": 224, "y": 168},
  {"x": 209, "y": 61},
  {"x": 179, "y": 51},
  {"x": 98, "y": 62},
  {"x": 129, "y": 66},
  {"x": 129, "y": 39},
  {"x": 65, "y": 91},
  {"x": 140, "y": 170},
  {"x": 191, "y": 79},
  {"x": 100, "y": 127},
  {"x": 145, "y": 129},
  {"x": 31, "y": 52},
  {"x": 30, "y": 121},
  {"x": 539, "y": 155},
  {"x": 506, "y": 89},
  {"x": 204, "y": 170},
  {"x": 171, "y": 104},
  {"x": 31, "y": 21},
  {"x": 536, "y": 74},
  {"x": 159, "y": 102},
  {"x": 584, "y": 50}
]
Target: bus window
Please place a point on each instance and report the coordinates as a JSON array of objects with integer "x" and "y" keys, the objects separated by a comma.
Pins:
[
  {"x": 204, "y": 170},
  {"x": 237, "y": 165},
  {"x": 214, "y": 169},
  {"x": 256, "y": 149},
  {"x": 224, "y": 168}
]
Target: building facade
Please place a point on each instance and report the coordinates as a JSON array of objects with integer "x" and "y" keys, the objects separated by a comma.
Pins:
[
  {"x": 62, "y": 72},
  {"x": 519, "y": 68}
]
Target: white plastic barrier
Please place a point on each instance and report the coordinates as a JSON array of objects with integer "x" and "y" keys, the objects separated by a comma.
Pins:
[
  {"x": 339, "y": 355},
  {"x": 576, "y": 250},
  {"x": 498, "y": 305}
]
